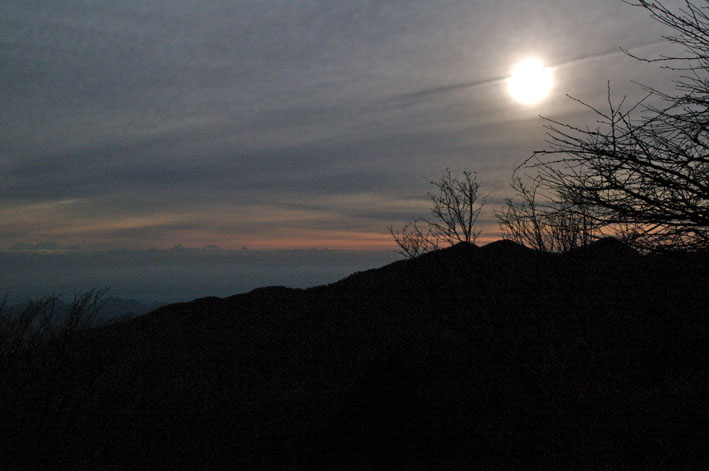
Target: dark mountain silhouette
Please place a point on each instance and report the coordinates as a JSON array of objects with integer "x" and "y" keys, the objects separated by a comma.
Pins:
[{"x": 494, "y": 357}]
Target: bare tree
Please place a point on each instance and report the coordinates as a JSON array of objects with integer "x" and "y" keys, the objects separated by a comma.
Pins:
[
  {"x": 456, "y": 206},
  {"x": 415, "y": 238},
  {"x": 644, "y": 170},
  {"x": 545, "y": 222},
  {"x": 523, "y": 221},
  {"x": 41, "y": 320}
]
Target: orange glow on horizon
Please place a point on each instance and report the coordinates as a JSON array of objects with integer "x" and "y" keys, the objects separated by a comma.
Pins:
[{"x": 295, "y": 239}]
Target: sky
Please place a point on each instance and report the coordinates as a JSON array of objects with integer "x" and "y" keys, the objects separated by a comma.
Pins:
[
  {"x": 281, "y": 124},
  {"x": 174, "y": 275}
]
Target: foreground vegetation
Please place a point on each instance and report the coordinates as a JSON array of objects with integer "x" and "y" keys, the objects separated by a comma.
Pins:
[{"x": 37, "y": 322}]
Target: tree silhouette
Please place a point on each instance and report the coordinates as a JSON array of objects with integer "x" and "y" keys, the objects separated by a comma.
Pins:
[
  {"x": 644, "y": 169},
  {"x": 456, "y": 206},
  {"x": 415, "y": 238},
  {"x": 543, "y": 222}
]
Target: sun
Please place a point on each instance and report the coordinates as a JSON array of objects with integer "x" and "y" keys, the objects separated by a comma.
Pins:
[{"x": 530, "y": 81}]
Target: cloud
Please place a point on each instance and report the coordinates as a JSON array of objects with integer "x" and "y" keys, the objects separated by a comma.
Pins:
[
  {"x": 421, "y": 96},
  {"x": 138, "y": 110},
  {"x": 34, "y": 246}
]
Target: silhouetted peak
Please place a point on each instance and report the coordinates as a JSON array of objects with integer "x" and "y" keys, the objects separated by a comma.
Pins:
[
  {"x": 440, "y": 255},
  {"x": 460, "y": 247},
  {"x": 505, "y": 246}
]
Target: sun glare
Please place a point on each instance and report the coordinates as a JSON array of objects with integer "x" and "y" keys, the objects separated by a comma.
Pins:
[{"x": 530, "y": 81}]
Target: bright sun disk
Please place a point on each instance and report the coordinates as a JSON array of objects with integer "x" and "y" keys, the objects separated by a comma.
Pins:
[{"x": 530, "y": 82}]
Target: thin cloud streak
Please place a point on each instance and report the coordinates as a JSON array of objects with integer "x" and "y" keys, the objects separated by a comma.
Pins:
[{"x": 421, "y": 96}]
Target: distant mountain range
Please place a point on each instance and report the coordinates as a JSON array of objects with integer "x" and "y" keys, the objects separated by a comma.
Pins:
[
  {"x": 494, "y": 357},
  {"x": 112, "y": 308}
]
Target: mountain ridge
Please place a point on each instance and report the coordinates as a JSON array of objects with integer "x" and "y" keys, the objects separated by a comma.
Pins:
[{"x": 494, "y": 356}]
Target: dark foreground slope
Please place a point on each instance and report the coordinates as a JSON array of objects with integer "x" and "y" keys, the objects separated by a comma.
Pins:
[{"x": 467, "y": 358}]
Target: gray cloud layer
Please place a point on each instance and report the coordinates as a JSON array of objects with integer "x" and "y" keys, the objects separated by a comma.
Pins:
[{"x": 137, "y": 123}]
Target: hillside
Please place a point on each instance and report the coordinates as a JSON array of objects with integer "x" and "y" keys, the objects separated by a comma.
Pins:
[{"x": 493, "y": 357}]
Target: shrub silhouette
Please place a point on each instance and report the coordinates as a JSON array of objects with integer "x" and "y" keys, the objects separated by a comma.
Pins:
[
  {"x": 545, "y": 223},
  {"x": 40, "y": 321}
]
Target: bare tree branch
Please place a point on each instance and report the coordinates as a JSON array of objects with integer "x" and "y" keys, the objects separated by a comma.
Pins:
[
  {"x": 546, "y": 222},
  {"x": 643, "y": 168}
]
